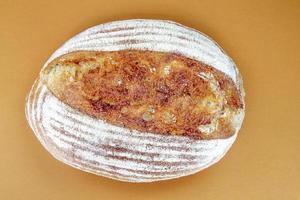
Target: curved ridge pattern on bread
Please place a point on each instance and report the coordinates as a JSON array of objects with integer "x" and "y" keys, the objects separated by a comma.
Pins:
[
  {"x": 155, "y": 35},
  {"x": 95, "y": 146}
]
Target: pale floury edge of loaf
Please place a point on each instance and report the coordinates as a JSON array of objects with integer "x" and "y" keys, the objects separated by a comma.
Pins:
[{"x": 95, "y": 146}]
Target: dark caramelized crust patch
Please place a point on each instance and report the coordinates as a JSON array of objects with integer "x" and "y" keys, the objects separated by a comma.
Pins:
[{"x": 148, "y": 91}]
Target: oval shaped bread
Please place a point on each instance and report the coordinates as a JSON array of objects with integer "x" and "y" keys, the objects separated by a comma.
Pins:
[{"x": 138, "y": 101}]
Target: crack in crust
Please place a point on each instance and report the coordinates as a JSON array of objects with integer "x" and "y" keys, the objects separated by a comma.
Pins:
[{"x": 163, "y": 93}]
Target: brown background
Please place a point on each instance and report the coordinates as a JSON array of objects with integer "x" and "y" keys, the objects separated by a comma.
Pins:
[{"x": 261, "y": 36}]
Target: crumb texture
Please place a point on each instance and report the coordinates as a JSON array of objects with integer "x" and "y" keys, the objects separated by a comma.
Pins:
[{"x": 148, "y": 91}]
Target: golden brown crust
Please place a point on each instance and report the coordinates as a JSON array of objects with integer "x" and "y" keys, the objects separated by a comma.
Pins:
[{"x": 147, "y": 91}]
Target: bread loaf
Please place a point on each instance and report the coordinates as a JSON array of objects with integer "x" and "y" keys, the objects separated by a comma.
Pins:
[{"x": 138, "y": 101}]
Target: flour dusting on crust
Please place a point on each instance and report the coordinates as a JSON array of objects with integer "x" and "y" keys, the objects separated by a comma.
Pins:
[{"x": 94, "y": 146}]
